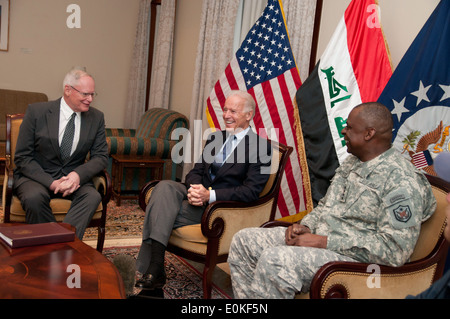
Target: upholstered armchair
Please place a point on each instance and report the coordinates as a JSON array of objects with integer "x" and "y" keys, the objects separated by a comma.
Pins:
[
  {"x": 14, "y": 102},
  {"x": 152, "y": 137},
  {"x": 359, "y": 281},
  {"x": 209, "y": 242},
  {"x": 12, "y": 209}
]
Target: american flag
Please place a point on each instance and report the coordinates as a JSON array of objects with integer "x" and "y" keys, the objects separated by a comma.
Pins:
[
  {"x": 422, "y": 159},
  {"x": 265, "y": 67}
]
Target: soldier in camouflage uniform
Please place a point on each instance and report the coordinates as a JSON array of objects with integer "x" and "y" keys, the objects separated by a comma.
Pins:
[{"x": 372, "y": 213}]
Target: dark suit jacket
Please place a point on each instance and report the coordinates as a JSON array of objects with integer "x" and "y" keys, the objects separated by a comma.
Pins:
[
  {"x": 37, "y": 154},
  {"x": 245, "y": 173}
]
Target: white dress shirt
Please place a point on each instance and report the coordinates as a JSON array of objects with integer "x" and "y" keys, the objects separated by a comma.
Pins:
[{"x": 64, "y": 116}]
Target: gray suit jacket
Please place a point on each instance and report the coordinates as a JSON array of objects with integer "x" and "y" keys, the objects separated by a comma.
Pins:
[{"x": 38, "y": 156}]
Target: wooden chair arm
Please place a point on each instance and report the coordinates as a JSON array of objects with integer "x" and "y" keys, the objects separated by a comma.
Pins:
[
  {"x": 222, "y": 219},
  {"x": 212, "y": 223},
  {"x": 349, "y": 279},
  {"x": 145, "y": 193},
  {"x": 103, "y": 184},
  {"x": 7, "y": 189}
]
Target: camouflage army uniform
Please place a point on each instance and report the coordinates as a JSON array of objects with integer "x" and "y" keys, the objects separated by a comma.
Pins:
[{"x": 371, "y": 213}]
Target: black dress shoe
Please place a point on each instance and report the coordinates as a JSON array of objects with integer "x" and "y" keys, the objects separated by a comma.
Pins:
[{"x": 149, "y": 282}]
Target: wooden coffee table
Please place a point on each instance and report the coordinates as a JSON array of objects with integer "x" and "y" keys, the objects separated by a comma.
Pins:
[{"x": 54, "y": 272}]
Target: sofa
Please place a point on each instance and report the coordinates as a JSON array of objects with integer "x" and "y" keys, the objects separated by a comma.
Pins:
[{"x": 151, "y": 137}]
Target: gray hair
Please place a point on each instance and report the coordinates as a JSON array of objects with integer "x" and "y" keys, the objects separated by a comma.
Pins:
[
  {"x": 73, "y": 77},
  {"x": 250, "y": 104}
]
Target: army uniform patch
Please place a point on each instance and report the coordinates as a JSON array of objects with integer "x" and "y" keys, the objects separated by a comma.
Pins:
[
  {"x": 402, "y": 213},
  {"x": 400, "y": 206}
]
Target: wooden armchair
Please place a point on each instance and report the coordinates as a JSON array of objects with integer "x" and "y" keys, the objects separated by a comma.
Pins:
[
  {"x": 350, "y": 279},
  {"x": 13, "y": 102},
  {"x": 210, "y": 241},
  {"x": 13, "y": 212}
]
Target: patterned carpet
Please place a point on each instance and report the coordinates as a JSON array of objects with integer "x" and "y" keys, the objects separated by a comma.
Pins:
[
  {"x": 124, "y": 221},
  {"x": 183, "y": 280}
]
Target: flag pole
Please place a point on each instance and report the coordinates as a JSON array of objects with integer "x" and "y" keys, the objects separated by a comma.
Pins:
[{"x": 315, "y": 38}]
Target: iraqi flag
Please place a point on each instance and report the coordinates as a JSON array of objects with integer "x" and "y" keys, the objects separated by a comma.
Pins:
[
  {"x": 265, "y": 67},
  {"x": 418, "y": 94},
  {"x": 354, "y": 69}
]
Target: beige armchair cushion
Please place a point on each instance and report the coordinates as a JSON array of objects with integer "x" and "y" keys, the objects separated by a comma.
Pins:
[
  {"x": 59, "y": 208},
  {"x": 191, "y": 233},
  {"x": 432, "y": 229},
  {"x": 392, "y": 286}
]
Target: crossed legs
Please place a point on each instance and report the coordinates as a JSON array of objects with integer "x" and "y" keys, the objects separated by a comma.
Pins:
[{"x": 167, "y": 209}]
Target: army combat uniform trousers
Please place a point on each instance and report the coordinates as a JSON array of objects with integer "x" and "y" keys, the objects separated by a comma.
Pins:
[{"x": 263, "y": 266}]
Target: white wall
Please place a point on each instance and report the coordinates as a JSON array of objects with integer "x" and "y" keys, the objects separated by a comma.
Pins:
[{"x": 42, "y": 49}]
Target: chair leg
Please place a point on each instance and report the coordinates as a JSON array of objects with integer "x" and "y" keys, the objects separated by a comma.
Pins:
[
  {"x": 101, "y": 238},
  {"x": 208, "y": 271}
]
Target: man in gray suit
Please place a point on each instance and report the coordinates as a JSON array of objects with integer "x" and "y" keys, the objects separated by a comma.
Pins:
[
  {"x": 235, "y": 165},
  {"x": 45, "y": 170}
]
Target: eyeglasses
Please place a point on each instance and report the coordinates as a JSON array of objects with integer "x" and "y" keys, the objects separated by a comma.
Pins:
[{"x": 85, "y": 95}]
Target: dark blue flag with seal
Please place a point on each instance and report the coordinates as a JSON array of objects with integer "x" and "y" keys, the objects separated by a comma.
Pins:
[{"x": 418, "y": 93}]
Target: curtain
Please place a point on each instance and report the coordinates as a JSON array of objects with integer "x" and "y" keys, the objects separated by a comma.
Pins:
[
  {"x": 300, "y": 16},
  {"x": 214, "y": 52},
  {"x": 249, "y": 11},
  {"x": 162, "y": 62},
  {"x": 138, "y": 72}
]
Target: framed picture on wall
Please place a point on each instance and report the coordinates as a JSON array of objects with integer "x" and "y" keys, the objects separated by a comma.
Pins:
[{"x": 4, "y": 24}]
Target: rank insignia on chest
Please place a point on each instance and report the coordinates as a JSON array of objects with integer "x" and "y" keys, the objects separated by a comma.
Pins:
[{"x": 402, "y": 213}]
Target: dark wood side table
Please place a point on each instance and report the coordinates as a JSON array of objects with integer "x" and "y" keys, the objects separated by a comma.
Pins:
[
  {"x": 49, "y": 272},
  {"x": 121, "y": 162}
]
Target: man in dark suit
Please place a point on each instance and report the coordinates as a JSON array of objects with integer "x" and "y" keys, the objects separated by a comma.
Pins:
[
  {"x": 44, "y": 170},
  {"x": 235, "y": 165}
]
